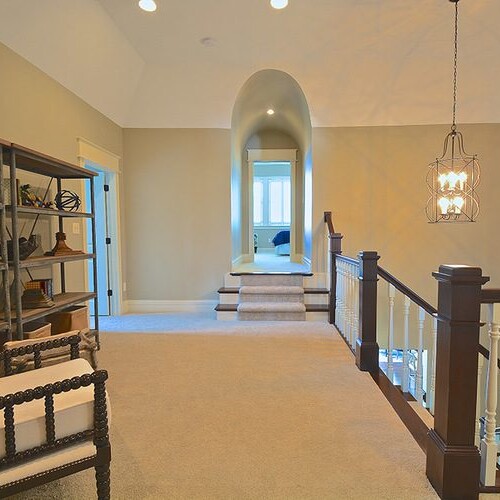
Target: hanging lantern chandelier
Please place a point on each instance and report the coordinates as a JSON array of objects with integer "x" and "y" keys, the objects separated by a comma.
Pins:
[{"x": 453, "y": 178}]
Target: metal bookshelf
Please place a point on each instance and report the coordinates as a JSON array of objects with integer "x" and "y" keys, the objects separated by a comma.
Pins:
[{"x": 16, "y": 158}]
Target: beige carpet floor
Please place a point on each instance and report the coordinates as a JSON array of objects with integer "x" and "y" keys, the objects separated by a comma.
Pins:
[{"x": 282, "y": 414}]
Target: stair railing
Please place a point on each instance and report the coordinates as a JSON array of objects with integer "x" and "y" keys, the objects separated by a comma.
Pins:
[
  {"x": 487, "y": 434},
  {"x": 417, "y": 344},
  {"x": 334, "y": 249},
  {"x": 448, "y": 340}
]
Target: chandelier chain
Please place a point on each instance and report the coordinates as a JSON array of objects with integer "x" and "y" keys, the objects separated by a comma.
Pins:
[{"x": 454, "y": 126}]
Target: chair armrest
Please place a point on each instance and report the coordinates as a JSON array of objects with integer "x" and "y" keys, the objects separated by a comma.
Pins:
[{"x": 36, "y": 348}]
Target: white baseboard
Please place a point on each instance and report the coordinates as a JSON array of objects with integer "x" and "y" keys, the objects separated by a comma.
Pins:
[
  {"x": 246, "y": 258},
  {"x": 168, "y": 306},
  {"x": 237, "y": 262},
  {"x": 242, "y": 259}
]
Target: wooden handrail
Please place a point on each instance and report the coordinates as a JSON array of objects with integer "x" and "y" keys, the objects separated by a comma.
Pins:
[
  {"x": 398, "y": 285},
  {"x": 490, "y": 296},
  {"x": 327, "y": 217},
  {"x": 482, "y": 350}
]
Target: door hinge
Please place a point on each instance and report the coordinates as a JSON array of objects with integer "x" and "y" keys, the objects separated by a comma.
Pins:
[
  {"x": 110, "y": 293},
  {"x": 106, "y": 187},
  {"x": 108, "y": 241}
]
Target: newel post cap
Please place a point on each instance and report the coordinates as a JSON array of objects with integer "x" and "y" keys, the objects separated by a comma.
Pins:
[
  {"x": 461, "y": 274},
  {"x": 368, "y": 255}
]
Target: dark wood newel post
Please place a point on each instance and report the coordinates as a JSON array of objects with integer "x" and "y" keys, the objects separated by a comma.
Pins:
[
  {"x": 453, "y": 460},
  {"x": 335, "y": 249},
  {"x": 367, "y": 349}
]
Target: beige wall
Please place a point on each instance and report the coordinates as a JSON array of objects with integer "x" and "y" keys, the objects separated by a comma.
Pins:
[
  {"x": 37, "y": 112},
  {"x": 373, "y": 180},
  {"x": 177, "y": 190},
  {"x": 177, "y": 216}
]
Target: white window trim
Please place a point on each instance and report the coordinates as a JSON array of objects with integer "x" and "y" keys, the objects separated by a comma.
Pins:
[{"x": 266, "y": 199}]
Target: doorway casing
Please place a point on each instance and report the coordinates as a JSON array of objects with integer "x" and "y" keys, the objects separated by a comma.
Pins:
[
  {"x": 273, "y": 155},
  {"x": 90, "y": 154}
]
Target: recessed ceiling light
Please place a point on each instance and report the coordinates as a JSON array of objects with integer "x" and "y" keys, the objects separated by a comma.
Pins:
[
  {"x": 270, "y": 112},
  {"x": 279, "y": 4},
  {"x": 147, "y": 5}
]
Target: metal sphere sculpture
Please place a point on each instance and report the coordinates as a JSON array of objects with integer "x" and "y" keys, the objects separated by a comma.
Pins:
[{"x": 67, "y": 200}]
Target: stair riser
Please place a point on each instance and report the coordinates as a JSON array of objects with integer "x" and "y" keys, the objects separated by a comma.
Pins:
[
  {"x": 318, "y": 280},
  {"x": 271, "y": 316},
  {"x": 228, "y": 298},
  {"x": 309, "y": 298},
  {"x": 317, "y": 316},
  {"x": 255, "y": 297},
  {"x": 271, "y": 280},
  {"x": 316, "y": 298},
  {"x": 310, "y": 316},
  {"x": 231, "y": 281}
]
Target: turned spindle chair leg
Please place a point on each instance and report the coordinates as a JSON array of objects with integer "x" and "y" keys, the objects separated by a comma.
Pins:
[{"x": 102, "y": 476}]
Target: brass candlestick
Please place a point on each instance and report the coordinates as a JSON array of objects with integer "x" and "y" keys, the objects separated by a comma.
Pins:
[{"x": 61, "y": 248}]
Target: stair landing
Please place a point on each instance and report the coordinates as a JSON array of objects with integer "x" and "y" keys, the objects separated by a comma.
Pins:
[{"x": 314, "y": 298}]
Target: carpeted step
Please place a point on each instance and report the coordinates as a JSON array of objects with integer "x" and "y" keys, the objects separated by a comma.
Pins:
[
  {"x": 271, "y": 311},
  {"x": 271, "y": 294},
  {"x": 272, "y": 280}
]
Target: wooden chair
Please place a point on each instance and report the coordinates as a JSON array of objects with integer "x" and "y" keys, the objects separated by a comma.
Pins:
[{"x": 55, "y": 419}]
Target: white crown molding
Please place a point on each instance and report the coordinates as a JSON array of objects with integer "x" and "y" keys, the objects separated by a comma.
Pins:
[{"x": 89, "y": 151}]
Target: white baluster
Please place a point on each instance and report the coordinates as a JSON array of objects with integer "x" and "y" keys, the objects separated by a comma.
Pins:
[
  {"x": 488, "y": 443},
  {"x": 340, "y": 298},
  {"x": 479, "y": 399},
  {"x": 342, "y": 294},
  {"x": 356, "y": 305},
  {"x": 390, "y": 346},
  {"x": 420, "y": 362},
  {"x": 406, "y": 366},
  {"x": 342, "y": 286},
  {"x": 346, "y": 301},
  {"x": 353, "y": 304},
  {"x": 432, "y": 363},
  {"x": 349, "y": 303}
]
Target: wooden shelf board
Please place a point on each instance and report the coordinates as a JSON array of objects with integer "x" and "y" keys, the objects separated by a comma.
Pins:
[
  {"x": 48, "y": 261},
  {"x": 48, "y": 211},
  {"x": 61, "y": 300},
  {"x": 40, "y": 163}
]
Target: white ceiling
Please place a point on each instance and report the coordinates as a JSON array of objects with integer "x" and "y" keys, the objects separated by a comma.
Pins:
[{"x": 359, "y": 62}]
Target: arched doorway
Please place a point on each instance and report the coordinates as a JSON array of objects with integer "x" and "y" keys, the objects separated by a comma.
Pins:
[{"x": 271, "y": 128}]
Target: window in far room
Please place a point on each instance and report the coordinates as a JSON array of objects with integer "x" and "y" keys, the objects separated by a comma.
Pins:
[{"x": 272, "y": 201}]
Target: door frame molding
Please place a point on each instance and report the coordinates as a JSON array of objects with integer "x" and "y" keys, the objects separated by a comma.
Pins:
[
  {"x": 105, "y": 161},
  {"x": 273, "y": 155}
]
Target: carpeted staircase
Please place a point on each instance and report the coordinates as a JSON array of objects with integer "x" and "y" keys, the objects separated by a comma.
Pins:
[{"x": 271, "y": 297}]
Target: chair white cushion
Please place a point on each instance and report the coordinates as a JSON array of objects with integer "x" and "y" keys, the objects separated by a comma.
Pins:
[
  {"x": 73, "y": 410},
  {"x": 48, "y": 462}
]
